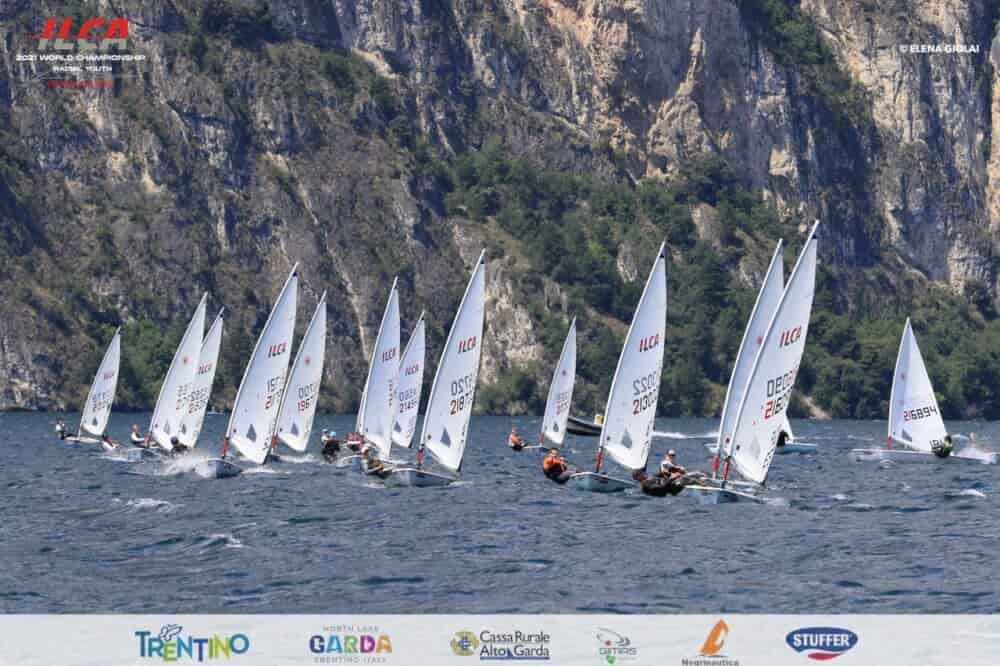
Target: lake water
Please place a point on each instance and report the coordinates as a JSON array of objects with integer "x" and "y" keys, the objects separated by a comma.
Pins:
[{"x": 84, "y": 533}]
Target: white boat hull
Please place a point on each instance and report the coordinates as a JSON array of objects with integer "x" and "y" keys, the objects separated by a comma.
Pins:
[
  {"x": 418, "y": 478},
  {"x": 599, "y": 483},
  {"x": 916, "y": 457},
  {"x": 73, "y": 439},
  {"x": 217, "y": 468},
  {"x": 717, "y": 495},
  {"x": 352, "y": 461}
]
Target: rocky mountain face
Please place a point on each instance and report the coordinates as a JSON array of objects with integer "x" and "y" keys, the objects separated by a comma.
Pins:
[{"x": 257, "y": 135}]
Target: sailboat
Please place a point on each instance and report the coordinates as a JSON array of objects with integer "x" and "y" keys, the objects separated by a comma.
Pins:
[
  {"x": 97, "y": 409},
  {"x": 298, "y": 402},
  {"x": 446, "y": 423},
  {"x": 409, "y": 385},
  {"x": 255, "y": 411},
  {"x": 560, "y": 393},
  {"x": 750, "y": 442},
  {"x": 377, "y": 413},
  {"x": 763, "y": 310},
  {"x": 914, "y": 418},
  {"x": 627, "y": 431},
  {"x": 201, "y": 389},
  {"x": 175, "y": 391}
]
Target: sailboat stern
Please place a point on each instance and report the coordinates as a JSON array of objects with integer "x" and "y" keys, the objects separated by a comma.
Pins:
[
  {"x": 599, "y": 483},
  {"x": 411, "y": 477}
]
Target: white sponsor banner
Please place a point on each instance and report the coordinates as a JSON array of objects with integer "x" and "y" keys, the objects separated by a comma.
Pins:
[{"x": 457, "y": 640}]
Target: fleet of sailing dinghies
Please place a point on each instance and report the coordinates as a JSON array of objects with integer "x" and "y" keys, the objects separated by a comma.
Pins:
[
  {"x": 276, "y": 401},
  {"x": 446, "y": 421},
  {"x": 410, "y": 384},
  {"x": 97, "y": 409},
  {"x": 749, "y": 439},
  {"x": 175, "y": 391},
  {"x": 914, "y": 418},
  {"x": 627, "y": 431},
  {"x": 298, "y": 401},
  {"x": 377, "y": 413},
  {"x": 560, "y": 392}
]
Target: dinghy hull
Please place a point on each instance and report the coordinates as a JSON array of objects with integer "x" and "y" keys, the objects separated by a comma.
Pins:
[
  {"x": 412, "y": 477},
  {"x": 715, "y": 495},
  {"x": 217, "y": 468},
  {"x": 599, "y": 483},
  {"x": 916, "y": 457},
  {"x": 801, "y": 448}
]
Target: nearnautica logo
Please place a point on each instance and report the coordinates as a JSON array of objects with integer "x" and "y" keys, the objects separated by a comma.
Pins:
[{"x": 821, "y": 643}]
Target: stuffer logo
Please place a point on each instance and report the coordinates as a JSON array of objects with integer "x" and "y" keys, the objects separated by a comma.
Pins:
[{"x": 822, "y": 643}]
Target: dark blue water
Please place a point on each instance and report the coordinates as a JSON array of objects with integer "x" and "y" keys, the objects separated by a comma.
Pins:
[{"x": 83, "y": 533}]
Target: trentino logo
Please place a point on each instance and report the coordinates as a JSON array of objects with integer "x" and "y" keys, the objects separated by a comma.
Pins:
[
  {"x": 821, "y": 643},
  {"x": 169, "y": 645},
  {"x": 711, "y": 650}
]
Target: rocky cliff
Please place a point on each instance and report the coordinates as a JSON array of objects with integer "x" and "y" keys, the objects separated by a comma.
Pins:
[{"x": 337, "y": 133}]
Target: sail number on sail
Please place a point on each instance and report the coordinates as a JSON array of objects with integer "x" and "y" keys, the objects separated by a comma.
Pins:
[
  {"x": 307, "y": 393},
  {"x": 461, "y": 390},
  {"x": 645, "y": 389},
  {"x": 275, "y": 387},
  {"x": 408, "y": 399},
  {"x": 102, "y": 399},
  {"x": 182, "y": 395},
  {"x": 919, "y": 413},
  {"x": 778, "y": 390}
]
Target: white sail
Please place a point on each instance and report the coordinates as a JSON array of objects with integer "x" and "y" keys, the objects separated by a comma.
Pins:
[
  {"x": 97, "y": 409},
  {"x": 175, "y": 391},
  {"x": 410, "y": 383},
  {"x": 561, "y": 391},
  {"x": 446, "y": 422},
  {"x": 201, "y": 390},
  {"x": 753, "y": 336},
  {"x": 378, "y": 401},
  {"x": 769, "y": 388},
  {"x": 251, "y": 424},
  {"x": 298, "y": 404},
  {"x": 628, "y": 418},
  {"x": 914, "y": 417}
]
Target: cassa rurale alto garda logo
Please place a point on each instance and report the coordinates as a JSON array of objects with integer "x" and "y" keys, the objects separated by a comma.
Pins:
[{"x": 508, "y": 646}]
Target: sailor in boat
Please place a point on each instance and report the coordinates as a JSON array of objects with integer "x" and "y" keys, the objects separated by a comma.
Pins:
[
  {"x": 555, "y": 467},
  {"x": 108, "y": 442},
  {"x": 371, "y": 464},
  {"x": 942, "y": 449},
  {"x": 514, "y": 440},
  {"x": 782, "y": 439},
  {"x": 136, "y": 438},
  {"x": 355, "y": 441},
  {"x": 331, "y": 445},
  {"x": 669, "y": 480},
  {"x": 176, "y": 448},
  {"x": 61, "y": 429}
]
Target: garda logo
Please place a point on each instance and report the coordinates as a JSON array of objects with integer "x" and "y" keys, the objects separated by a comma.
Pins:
[
  {"x": 342, "y": 644},
  {"x": 615, "y": 647},
  {"x": 711, "y": 650},
  {"x": 464, "y": 643},
  {"x": 822, "y": 643},
  {"x": 507, "y": 646},
  {"x": 170, "y": 645}
]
